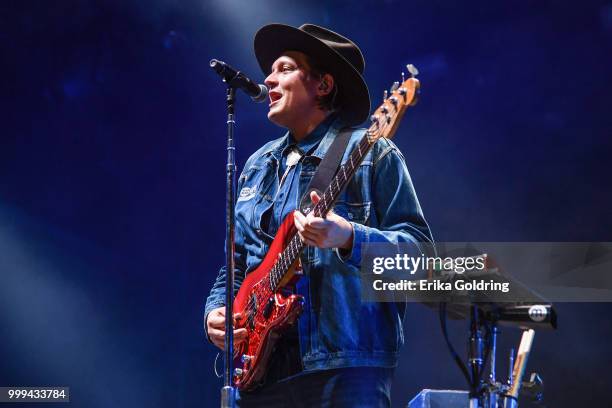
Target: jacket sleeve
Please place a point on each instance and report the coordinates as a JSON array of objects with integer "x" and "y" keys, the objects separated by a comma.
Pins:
[{"x": 400, "y": 219}]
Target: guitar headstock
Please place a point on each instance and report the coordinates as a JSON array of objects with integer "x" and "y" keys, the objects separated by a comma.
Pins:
[{"x": 386, "y": 119}]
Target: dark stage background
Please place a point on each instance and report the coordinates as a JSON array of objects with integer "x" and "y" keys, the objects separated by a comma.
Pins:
[{"x": 112, "y": 175}]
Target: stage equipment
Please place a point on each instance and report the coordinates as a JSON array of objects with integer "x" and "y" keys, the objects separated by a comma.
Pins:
[{"x": 484, "y": 319}]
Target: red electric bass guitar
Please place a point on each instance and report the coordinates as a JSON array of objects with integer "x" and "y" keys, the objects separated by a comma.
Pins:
[{"x": 267, "y": 310}]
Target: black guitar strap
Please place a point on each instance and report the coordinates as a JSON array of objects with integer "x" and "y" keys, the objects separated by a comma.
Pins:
[{"x": 327, "y": 168}]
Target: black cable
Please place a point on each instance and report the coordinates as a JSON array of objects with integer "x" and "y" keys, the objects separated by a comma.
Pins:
[
  {"x": 488, "y": 347},
  {"x": 454, "y": 354}
]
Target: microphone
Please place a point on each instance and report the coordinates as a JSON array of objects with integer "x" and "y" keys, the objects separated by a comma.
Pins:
[{"x": 237, "y": 79}]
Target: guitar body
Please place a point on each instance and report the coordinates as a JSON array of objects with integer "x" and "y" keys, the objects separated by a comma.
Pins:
[{"x": 266, "y": 314}]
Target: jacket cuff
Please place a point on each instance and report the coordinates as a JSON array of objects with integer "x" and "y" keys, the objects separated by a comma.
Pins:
[{"x": 360, "y": 236}]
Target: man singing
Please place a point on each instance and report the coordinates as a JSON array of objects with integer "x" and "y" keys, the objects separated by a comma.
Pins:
[{"x": 342, "y": 351}]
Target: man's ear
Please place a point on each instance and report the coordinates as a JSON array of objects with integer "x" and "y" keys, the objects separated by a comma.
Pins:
[{"x": 326, "y": 85}]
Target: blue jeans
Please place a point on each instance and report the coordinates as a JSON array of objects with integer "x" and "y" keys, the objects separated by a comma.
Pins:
[{"x": 367, "y": 387}]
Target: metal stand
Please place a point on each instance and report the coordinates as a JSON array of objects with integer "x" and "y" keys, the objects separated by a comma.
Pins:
[
  {"x": 228, "y": 392},
  {"x": 475, "y": 356},
  {"x": 492, "y": 394}
]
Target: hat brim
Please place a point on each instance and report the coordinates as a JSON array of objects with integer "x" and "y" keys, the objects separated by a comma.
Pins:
[{"x": 272, "y": 40}]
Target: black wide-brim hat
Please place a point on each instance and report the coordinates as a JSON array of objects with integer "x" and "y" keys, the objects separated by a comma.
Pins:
[{"x": 334, "y": 53}]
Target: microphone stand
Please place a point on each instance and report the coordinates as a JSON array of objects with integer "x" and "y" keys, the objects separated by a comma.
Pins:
[
  {"x": 228, "y": 392},
  {"x": 234, "y": 79}
]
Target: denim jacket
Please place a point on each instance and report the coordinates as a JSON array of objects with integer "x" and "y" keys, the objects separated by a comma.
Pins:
[{"x": 336, "y": 328}]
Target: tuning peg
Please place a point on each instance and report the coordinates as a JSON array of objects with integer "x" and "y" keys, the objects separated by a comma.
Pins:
[
  {"x": 412, "y": 70},
  {"x": 394, "y": 86},
  {"x": 385, "y": 95},
  {"x": 403, "y": 79}
]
